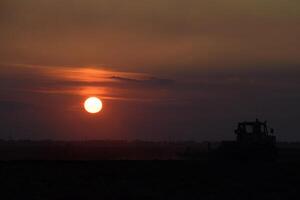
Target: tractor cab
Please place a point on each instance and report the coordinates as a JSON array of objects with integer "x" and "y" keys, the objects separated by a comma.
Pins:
[{"x": 256, "y": 132}]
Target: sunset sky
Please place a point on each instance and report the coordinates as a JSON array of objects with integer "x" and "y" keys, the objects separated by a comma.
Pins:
[{"x": 164, "y": 69}]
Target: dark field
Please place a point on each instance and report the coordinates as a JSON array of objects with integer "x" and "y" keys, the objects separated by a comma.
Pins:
[
  {"x": 149, "y": 180},
  {"x": 96, "y": 150},
  {"x": 185, "y": 179}
]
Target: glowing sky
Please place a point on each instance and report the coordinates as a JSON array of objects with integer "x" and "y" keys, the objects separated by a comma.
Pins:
[
  {"x": 150, "y": 35},
  {"x": 165, "y": 69}
]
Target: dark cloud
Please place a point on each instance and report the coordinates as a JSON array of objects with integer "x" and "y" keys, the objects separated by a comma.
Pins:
[{"x": 152, "y": 81}]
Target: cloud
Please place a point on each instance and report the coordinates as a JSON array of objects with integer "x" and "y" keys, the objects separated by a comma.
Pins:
[
  {"x": 84, "y": 81},
  {"x": 151, "y": 81}
]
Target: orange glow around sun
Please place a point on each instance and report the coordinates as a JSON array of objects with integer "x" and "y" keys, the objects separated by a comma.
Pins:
[{"x": 93, "y": 105}]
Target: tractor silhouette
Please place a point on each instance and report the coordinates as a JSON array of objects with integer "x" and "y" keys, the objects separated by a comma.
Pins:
[{"x": 254, "y": 140}]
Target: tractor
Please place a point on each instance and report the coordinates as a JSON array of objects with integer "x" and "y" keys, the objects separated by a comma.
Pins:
[{"x": 254, "y": 140}]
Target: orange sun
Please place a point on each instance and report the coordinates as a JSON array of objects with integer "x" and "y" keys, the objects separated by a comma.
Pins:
[{"x": 93, "y": 105}]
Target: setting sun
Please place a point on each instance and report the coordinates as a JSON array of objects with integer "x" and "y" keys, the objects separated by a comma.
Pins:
[{"x": 93, "y": 105}]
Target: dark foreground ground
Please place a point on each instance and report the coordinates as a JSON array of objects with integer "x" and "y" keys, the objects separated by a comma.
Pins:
[
  {"x": 149, "y": 180},
  {"x": 73, "y": 171}
]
